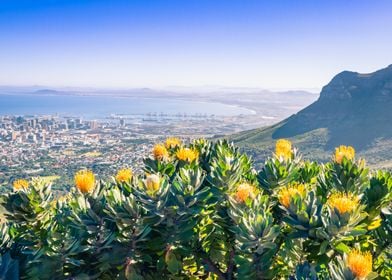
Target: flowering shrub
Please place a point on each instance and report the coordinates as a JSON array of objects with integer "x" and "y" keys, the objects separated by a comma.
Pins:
[{"x": 202, "y": 212}]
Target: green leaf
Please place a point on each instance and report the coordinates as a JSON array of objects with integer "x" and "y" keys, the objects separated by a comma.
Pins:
[{"x": 342, "y": 248}]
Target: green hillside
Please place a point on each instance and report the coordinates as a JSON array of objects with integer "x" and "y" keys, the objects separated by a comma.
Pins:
[
  {"x": 353, "y": 109},
  {"x": 259, "y": 144}
]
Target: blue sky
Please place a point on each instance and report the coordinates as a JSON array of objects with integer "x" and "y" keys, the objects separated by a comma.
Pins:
[{"x": 156, "y": 43}]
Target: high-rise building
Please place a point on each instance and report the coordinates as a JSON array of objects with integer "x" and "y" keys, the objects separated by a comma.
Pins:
[
  {"x": 93, "y": 124},
  {"x": 14, "y": 135}
]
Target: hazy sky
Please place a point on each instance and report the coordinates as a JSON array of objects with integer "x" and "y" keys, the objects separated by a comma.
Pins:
[{"x": 154, "y": 43}]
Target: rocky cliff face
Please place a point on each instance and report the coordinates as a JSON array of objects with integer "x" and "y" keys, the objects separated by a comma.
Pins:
[
  {"x": 351, "y": 85},
  {"x": 355, "y": 108}
]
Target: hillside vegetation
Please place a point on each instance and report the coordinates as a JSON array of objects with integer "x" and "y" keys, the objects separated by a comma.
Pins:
[
  {"x": 203, "y": 212},
  {"x": 257, "y": 143}
]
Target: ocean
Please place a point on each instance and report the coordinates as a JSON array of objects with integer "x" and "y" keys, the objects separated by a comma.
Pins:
[{"x": 103, "y": 106}]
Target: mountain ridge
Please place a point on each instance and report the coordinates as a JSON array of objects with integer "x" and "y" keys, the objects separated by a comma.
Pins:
[{"x": 352, "y": 109}]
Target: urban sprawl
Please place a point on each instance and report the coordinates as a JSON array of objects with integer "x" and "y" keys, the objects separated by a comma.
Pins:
[{"x": 55, "y": 147}]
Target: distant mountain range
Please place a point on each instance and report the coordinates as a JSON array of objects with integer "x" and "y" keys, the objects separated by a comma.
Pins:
[{"x": 353, "y": 109}]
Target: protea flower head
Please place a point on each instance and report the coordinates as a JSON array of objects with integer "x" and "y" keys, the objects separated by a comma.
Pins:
[
  {"x": 85, "y": 181},
  {"x": 244, "y": 191},
  {"x": 152, "y": 182},
  {"x": 283, "y": 149},
  {"x": 187, "y": 154},
  {"x": 343, "y": 202},
  {"x": 341, "y": 152},
  {"x": 124, "y": 175},
  {"x": 287, "y": 193},
  {"x": 160, "y": 152},
  {"x": 360, "y": 263},
  {"x": 172, "y": 142},
  {"x": 20, "y": 184}
]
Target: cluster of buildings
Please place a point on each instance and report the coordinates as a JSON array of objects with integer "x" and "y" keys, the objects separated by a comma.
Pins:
[
  {"x": 44, "y": 130},
  {"x": 54, "y": 145},
  {"x": 51, "y": 145}
]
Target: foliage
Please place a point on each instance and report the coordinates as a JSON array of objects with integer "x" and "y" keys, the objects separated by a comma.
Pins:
[{"x": 201, "y": 211}]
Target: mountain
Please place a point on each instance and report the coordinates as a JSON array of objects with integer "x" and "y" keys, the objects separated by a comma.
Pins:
[
  {"x": 353, "y": 109},
  {"x": 47, "y": 92}
]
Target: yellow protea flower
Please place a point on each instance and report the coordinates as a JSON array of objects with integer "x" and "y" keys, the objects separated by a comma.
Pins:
[
  {"x": 160, "y": 152},
  {"x": 20, "y": 184},
  {"x": 153, "y": 182},
  {"x": 124, "y": 175},
  {"x": 85, "y": 181},
  {"x": 360, "y": 263},
  {"x": 186, "y": 154},
  {"x": 375, "y": 224},
  {"x": 172, "y": 142},
  {"x": 283, "y": 149},
  {"x": 286, "y": 194},
  {"x": 341, "y": 152},
  {"x": 244, "y": 191},
  {"x": 343, "y": 202}
]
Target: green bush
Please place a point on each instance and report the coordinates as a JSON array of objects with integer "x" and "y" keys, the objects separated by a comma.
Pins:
[{"x": 203, "y": 212}]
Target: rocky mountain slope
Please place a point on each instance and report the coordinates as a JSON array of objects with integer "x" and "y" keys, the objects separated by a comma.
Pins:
[{"x": 353, "y": 109}]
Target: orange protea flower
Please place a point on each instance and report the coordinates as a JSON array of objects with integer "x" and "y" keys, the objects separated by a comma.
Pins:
[
  {"x": 359, "y": 263},
  {"x": 153, "y": 182},
  {"x": 172, "y": 142},
  {"x": 124, "y": 175},
  {"x": 283, "y": 149},
  {"x": 244, "y": 191},
  {"x": 85, "y": 181},
  {"x": 20, "y": 184},
  {"x": 286, "y": 194},
  {"x": 343, "y": 202},
  {"x": 160, "y": 152},
  {"x": 186, "y": 154},
  {"x": 341, "y": 152}
]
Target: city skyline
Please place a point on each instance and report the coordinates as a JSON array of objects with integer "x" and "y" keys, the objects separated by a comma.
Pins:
[{"x": 126, "y": 44}]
